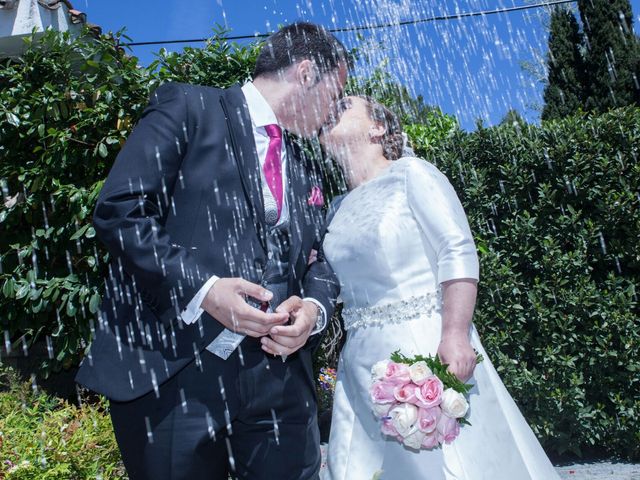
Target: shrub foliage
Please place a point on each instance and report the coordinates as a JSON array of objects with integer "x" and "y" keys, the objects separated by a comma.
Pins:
[
  {"x": 555, "y": 210},
  {"x": 556, "y": 214},
  {"x": 43, "y": 437},
  {"x": 67, "y": 106}
]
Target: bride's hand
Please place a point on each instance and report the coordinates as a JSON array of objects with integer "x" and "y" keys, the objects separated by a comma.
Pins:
[{"x": 457, "y": 352}]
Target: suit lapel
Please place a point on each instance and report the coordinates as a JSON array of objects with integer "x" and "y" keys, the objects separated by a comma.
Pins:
[
  {"x": 297, "y": 190},
  {"x": 243, "y": 149}
]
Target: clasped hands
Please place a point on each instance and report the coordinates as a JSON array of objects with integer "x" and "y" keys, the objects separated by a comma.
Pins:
[{"x": 282, "y": 332}]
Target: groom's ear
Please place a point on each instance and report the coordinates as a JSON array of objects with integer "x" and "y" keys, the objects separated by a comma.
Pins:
[{"x": 307, "y": 73}]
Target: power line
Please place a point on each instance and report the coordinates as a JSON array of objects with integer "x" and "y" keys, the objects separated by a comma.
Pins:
[{"x": 456, "y": 16}]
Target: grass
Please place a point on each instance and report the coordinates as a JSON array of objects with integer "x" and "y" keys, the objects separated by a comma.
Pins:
[{"x": 44, "y": 437}]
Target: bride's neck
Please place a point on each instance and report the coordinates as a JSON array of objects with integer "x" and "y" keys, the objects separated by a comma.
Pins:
[{"x": 364, "y": 166}]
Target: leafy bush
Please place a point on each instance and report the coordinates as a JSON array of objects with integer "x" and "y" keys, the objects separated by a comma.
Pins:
[
  {"x": 43, "y": 437},
  {"x": 66, "y": 107},
  {"x": 555, "y": 210},
  {"x": 218, "y": 64}
]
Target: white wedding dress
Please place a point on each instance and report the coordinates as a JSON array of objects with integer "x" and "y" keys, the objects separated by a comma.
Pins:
[{"x": 392, "y": 241}]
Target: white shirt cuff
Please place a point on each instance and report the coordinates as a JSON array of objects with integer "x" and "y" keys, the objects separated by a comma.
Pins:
[
  {"x": 322, "y": 323},
  {"x": 193, "y": 311}
]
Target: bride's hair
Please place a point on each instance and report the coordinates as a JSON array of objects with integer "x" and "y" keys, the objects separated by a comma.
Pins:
[{"x": 392, "y": 141}]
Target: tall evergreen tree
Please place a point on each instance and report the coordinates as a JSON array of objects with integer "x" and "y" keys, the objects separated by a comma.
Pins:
[
  {"x": 564, "y": 93},
  {"x": 513, "y": 118},
  {"x": 612, "y": 54}
]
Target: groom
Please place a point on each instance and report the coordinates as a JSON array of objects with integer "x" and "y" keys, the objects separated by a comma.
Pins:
[{"x": 210, "y": 214}]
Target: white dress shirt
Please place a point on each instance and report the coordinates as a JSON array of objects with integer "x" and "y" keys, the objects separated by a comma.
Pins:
[{"x": 261, "y": 114}]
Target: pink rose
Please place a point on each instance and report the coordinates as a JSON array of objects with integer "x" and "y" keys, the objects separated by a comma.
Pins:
[
  {"x": 405, "y": 393},
  {"x": 430, "y": 393},
  {"x": 382, "y": 392},
  {"x": 388, "y": 428},
  {"x": 431, "y": 440},
  {"x": 397, "y": 373},
  {"x": 428, "y": 419},
  {"x": 448, "y": 429}
]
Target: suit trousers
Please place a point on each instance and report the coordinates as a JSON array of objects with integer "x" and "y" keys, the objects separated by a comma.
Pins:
[{"x": 251, "y": 416}]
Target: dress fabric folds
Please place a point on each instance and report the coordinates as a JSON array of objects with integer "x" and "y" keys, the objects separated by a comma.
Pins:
[{"x": 392, "y": 242}]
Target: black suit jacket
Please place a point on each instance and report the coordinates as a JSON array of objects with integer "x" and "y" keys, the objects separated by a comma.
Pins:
[{"x": 183, "y": 202}]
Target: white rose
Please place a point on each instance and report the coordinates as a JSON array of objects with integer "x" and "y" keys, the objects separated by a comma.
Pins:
[
  {"x": 379, "y": 370},
  {"x": 414, "y": 440},
  {"x": 404, "y": 418},
  {"x": 381, "y": 409},
  {"x": 419, "y": 372},
  {"x": 454, "y": 404}
]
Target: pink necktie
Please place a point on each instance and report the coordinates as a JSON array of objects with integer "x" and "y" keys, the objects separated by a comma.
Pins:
[{"x": 272, "y": 164}]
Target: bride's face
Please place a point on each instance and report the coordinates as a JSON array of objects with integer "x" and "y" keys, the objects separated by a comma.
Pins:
[{"x": 350, "y": 129}]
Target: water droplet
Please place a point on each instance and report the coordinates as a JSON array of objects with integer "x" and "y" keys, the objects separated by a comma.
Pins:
[
  {"x": 7, "y": 342},
  {"x": 183, "y": 401},
  {"x": 603, "y": 246},
  {"x": 276, "y": 429},
  {"x": 147, "y": 424},
  {"x": 49, "y": 347},
  {"x": 210, "y": 428},
  {"x": 154, "y": 382},
  {"x": 232, "y": 460},
  {"x": 618, "y": 267}
]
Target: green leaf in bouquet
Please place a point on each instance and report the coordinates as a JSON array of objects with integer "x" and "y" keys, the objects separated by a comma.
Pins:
[{"x": 439, "y": 369}]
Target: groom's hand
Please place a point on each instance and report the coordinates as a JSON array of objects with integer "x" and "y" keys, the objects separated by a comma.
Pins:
[
  {"x": 287, "y": 339},
  {"x": 226, "y": 302}
]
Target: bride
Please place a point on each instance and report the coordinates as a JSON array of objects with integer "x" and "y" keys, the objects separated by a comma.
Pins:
[{"x": 402, "y": 249}]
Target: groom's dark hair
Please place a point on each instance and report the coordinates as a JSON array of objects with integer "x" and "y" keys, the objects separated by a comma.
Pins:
[{"x": 300, "y": 41}]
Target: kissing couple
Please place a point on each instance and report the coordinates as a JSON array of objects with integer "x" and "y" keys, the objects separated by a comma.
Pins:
[{"x": 224, "y": 273}]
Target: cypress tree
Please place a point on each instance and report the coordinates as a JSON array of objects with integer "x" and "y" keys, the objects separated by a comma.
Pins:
[
  {"x": 564, "y": 93},
  {"x": 512, "y": 118},
  {"x": 612, "y": 52}
]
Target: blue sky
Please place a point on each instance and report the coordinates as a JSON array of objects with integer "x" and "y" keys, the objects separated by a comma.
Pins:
[{"x": 471, "y": 68}]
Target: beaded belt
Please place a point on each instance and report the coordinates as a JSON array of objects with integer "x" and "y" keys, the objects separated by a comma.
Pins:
[{"x": 394, "y": 312}]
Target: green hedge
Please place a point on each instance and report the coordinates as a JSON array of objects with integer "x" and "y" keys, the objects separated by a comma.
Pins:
[
  {"x": 66, "y": 107},
  {"x": 554, "y": 210},
  {"x": 556, "y": 215}
]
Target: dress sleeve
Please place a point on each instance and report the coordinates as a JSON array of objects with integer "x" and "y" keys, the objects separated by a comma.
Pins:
[{"x": 440, "y": 216}]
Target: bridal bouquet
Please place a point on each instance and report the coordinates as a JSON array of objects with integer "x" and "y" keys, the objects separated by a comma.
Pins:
[{"x": 418, "y": 400}]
